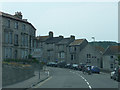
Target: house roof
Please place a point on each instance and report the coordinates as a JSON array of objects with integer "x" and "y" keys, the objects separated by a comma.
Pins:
[
  {"x": 53, "y": 40},
  {"x": 103, "y": 44},
  {"x": 77, "y": 42},
  {"x": 64, "y": 41},
  {"x": 15, "y": 18},
  {"x": 112, "y": 50},
  {"x": 99, "y": 48},
  {"x": 42, "y": 38}
]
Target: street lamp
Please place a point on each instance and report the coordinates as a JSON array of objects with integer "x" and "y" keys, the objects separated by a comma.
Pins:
[{"x": 39, "y": 69}]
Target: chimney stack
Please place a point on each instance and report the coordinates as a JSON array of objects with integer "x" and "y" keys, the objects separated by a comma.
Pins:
[
  {"x": 72, "y": 37},
  {"x": 61, "y": 36},
  {"x": 18, "y": 15},
  {"x": 51, "y": 34}
]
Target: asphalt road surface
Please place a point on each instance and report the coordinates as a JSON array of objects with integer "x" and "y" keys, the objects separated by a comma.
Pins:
[{"x": 67, "y": 78}]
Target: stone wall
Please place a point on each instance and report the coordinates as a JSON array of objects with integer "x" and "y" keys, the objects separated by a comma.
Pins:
[{"x": 14, "y": 74}]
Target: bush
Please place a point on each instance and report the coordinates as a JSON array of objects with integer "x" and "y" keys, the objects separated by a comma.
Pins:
[{"x": 22, "y": 60}]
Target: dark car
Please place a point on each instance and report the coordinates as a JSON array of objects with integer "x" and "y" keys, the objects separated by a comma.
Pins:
[
  {"x": 52, "y": 64},
  {"x": 95, "y": 69},
  {"x": 81, "y": 66},
  {"x": 62, "y": 64},
  {"x": 67, "y": 66}
]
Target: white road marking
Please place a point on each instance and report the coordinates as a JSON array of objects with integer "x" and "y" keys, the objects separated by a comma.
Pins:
[
  {"x": 90, "y": 87},
  {"x": 83, "y": 79}
]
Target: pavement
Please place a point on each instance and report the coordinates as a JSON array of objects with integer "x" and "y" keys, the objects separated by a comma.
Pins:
[{"x": 29, "y": 83}]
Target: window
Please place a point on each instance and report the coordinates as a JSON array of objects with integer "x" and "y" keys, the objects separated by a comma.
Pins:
[
  {"x": 22, "y": 54},
  {"x": 62, "y": 55},
  {"x": 88, "y": 55},
  {"x": 6, "y": 37},
  {"x": 59, "y": 55},
  {"x": 8, "y": 52},
  {"x": 23, "y": 27},
  {"x": 16, "y": 39},
  {"x": 16, "y": 54},
  {"x": 75, "y": 48},
  {"x": 10, "y": 37},
  {"x": 16, "y": 25},
  {"x": 111, "y": 56},
  {"x": 26, "y": 53},
  {"x": 111, "y": 65},
  {"x": 71, "y": 57},
  {"x": 26, "y": 40},
  {"x": 8, "y": 23},
  {"x": 22, "y": 39}
]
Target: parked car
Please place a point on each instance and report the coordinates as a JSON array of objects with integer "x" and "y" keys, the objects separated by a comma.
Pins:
[
  {"x": 67, "y": 66},
  {"x": 75, "y": 66},
  {"x": 52, "y": 64},
  {"x": 80, "y": 66},
  {"x": 95, "y": 69},
  {"x": 62, "y": 64},
  {"x": 116, "y": 75}
]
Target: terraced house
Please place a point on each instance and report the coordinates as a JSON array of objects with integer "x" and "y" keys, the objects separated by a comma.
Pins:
[
  {"x": 61, "y": 48},
  {"x": 18, "y": 36}
]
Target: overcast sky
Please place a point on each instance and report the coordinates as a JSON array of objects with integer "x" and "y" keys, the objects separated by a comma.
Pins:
[{"x": 82, "y": 19}]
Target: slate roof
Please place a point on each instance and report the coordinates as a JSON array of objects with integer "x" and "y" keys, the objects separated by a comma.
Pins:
[
  {"x": 64, "y": 41},
  {"x": 42, "y": 38},
  {"x": 112, "y": 50},
  {"x": 77, "y": 42},
  {"x": 15, "y": 18},
  {"x": 103, "y": 44},
  {"x": 100, "y": 49},
  {"x": 53, "y": 40}
]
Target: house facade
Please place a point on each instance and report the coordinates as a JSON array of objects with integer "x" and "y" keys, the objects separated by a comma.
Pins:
[
  {"x": 41, "y": 44},
  {"x": 50, "y": 47},
  {"x": 82, "y": 52},
  {"x": 74, "y": 49},
  {"x": 110, "y": 57},
  {"x": 18, "y": 36},
  {"x": 61, "y": 48}
]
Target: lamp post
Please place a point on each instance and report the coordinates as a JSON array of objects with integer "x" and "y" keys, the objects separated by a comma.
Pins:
[
  {"x": 40, "y": 59},
  {"x": 39, "y": 69}
]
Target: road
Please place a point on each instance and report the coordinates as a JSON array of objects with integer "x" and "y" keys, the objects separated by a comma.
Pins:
[{"x": 67, "y": 78}]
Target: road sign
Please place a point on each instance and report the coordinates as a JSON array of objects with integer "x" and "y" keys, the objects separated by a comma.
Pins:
[{"x": 37, "y": 53}]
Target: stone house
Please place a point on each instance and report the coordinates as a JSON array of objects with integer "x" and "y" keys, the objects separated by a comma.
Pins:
[
  {"x": 17, "y": 36},
  {"x": 110, "y": 57},
  {"x": 80, "y": 51},
  {"x": 50, "y": 50},
  {"x": 41, "y": 44},
  {"x": 61, "y": 48},
  {"x": 74, "y": 49}
]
